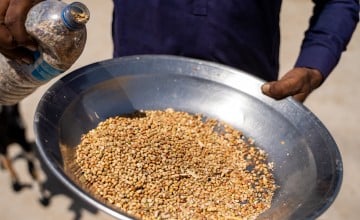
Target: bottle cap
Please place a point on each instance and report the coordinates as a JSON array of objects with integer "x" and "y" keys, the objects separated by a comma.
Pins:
[{"x": 75, "y": 15}]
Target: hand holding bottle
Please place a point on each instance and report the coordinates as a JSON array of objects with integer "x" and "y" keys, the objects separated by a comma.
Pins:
[
  {"x": 15, "y": 42},
  {"x": 38, "y": 42}
]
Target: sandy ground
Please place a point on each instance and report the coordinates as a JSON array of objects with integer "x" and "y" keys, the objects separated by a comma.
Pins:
[{"x": 336, "y": 104}]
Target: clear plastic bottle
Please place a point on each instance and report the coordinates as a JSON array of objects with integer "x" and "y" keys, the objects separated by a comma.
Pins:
[{"x": 60, "y": 31}]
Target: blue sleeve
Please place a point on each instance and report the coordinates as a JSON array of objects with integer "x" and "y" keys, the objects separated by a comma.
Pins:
[{"x": 331, "y": 27}]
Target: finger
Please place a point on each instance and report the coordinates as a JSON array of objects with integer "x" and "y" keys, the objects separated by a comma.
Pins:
[
  {"x": 6, "y": 38},
  {"x": 15, "y": 20},
  {"x": 282, "y": 88},
  {"x": 301, "y": 96},
  {"x": 19, "y": 54}
]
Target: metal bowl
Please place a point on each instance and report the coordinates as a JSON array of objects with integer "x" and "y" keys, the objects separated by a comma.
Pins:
[{"x": 307, "y": 163}]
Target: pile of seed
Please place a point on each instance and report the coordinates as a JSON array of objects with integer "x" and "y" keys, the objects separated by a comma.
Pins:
[{"x": 174, "y": 165}]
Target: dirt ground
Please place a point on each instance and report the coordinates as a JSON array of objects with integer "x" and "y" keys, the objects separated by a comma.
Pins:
[{"x": 336, "y": 104}]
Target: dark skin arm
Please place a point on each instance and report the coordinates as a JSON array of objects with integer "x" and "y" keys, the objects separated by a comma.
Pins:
[
  {"x": 298, "y": 83},
  {"x": 15, "y": 43}
]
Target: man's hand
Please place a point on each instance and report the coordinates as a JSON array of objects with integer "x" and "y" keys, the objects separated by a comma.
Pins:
[
  {"x": 298, "y": 82},
  {"x": 15, "y": 43}
]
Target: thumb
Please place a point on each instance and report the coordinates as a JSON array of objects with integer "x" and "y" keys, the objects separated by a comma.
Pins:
[
  {"x": 298, "y": 82},
  {"x": 281, "y": 89}
]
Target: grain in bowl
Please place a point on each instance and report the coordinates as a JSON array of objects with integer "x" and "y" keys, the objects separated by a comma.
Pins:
[{"x": 167, "y": 164}]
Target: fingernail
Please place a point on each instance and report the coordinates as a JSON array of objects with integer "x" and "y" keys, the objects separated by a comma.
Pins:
[
  {"x": 31, "y": 48},
  {"x": 26, "y": 60},
  {"x": 266, "y": 88},
  {"x": 18, "y": 61}
]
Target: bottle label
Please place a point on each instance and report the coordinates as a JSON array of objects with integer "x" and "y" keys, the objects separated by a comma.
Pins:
[{"x": 43, "y": 71}]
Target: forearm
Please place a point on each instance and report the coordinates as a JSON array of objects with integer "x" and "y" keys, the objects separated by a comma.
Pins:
[{"x": 331, "y": 28}]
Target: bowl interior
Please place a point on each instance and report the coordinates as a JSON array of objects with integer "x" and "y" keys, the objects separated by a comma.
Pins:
[{"x": 307, "y": 163}]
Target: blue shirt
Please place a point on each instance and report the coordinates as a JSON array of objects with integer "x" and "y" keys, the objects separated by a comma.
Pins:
[{"x": 244, "y": 34}]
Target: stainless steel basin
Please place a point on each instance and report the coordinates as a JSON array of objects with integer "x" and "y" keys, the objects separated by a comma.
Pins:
[{"x": 308, "y": 165}]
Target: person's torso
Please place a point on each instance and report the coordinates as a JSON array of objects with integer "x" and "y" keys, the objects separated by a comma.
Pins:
[{"x": 239, "y": 33}]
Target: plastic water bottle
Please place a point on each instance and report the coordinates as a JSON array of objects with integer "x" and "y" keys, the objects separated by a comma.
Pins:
[{"x": 60, "y": 31}]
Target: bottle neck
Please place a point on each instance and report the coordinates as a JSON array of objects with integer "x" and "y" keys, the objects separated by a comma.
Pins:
[{"x": 75, "y": 15}]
